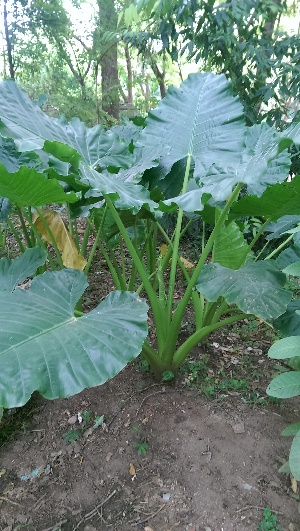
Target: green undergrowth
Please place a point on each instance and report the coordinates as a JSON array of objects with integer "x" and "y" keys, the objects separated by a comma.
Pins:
[{"x": 234, "y": 365}]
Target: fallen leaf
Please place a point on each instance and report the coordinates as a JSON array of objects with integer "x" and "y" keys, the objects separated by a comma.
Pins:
[
  {"x": 294, "y": 485},
  {"x": 132, "y": 470}
]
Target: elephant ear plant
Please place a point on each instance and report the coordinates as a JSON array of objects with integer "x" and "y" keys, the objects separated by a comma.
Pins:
[
  {"x": 195, "y": 156},
  {"x": 287, "y": 384}
]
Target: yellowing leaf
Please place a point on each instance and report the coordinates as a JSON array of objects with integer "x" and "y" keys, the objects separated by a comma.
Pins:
[
  {"x": 163, "y": 249},
  {"x": 132, "y": 470},
  {"x": 186, "y": 263},
  {"x": 71, "y": 257},
  {"x": 294, "y": 485}
]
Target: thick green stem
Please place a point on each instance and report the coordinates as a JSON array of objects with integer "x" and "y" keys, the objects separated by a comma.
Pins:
[
  {"x": 85, "y": 239},
  {"x": 16, "y": 235},
  {"x": 116, "y": 276},
  {"x": 179, "y": 312},
  {"x": 210, "y": 309},
  {"x": 153, "y": 359},
  {"x": 279, "y": 247},
  {"x": 219, "y": 312},
  {"x": 95, "y": 244},
  {"x": 176, "y": 242},
  {"x": 260, "y": 232},
  {"x": 159, "y": 316},
  {"x": 24, "y": 228},
  {"x": 184, "y": 349}
]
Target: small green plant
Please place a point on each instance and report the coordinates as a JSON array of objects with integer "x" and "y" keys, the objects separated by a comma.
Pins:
[
  {"x": 72, "y": 435},
  {"x": 142, "y": 445},
  {"x": 142, "y": 448},
  {"x": 86, "y": 421},
  {"x": 269, "y": 521},
  {"x": 287, "y": 384}
]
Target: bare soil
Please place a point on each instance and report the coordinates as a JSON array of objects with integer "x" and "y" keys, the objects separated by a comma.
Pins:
[{"x": 167, "y": 457}]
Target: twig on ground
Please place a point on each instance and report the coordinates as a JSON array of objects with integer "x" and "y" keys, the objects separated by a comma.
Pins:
[
  {"x": 146, "y": 398},
  {"x": 10, "y": 501},
  {"x": 95, "y": 511},
  {"x": 56, "y": 526},
  {"x": 148, "y": 517},
  {"x": 37, "y": 503},
  {"x": 249, "y": 507},
  {"x": 127, "y": 400}
]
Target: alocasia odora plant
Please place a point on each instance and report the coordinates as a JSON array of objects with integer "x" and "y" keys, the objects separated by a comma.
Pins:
[{"x": 195, "y": 155}]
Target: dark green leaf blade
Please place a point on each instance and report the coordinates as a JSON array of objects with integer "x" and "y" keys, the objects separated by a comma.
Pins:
[
  {"x": 286, "y": 385},
  {"x": 285, "y": 348},
  {"x": 12, "y": 272},
  {"x": 277, "y": 201},
  {"x": 256, "y": 288},
  {"x": 28, "y": 187},
  {"x": 294, "y": 458},
  {"x": 45, "y": 348}
]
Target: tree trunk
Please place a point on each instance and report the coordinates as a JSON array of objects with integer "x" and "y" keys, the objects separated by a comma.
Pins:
[
  {"x": 129, "y": 75},
  {"x": 8, "y": 43},
  {"x": 160, "y": 76},
  {"x": 109, "y": 61}
]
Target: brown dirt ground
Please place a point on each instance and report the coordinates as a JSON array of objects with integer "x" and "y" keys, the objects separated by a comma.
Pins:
[{"x": 209, "y": 464}]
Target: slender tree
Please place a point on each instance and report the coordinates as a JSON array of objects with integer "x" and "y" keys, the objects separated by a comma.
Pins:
[{"x": 108, "y": 58}]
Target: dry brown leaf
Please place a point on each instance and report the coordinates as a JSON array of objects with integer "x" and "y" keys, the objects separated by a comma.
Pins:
[{"x": 64, "y": 241}]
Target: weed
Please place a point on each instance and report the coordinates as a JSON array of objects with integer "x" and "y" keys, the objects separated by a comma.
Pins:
[
  {"x": 142, "y": 448},
  {"x": 86, "y": 421},
  {"x": 72, "y": 435},
  {"x": 143, "y": 365},
  {"x": 142, "y": 445},
  {"x": 269, "y": 521}
]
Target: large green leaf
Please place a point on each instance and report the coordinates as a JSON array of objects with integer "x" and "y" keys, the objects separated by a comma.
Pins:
[
  {"x": 289, "y": 322},
  {"x": 276, "y": 201},
  {"x": 45, "y": 348},
  {"x": 288, "y": 257},
  {"x": 262, "y": 164},
  {"x": 285, "y": 348},
  {"x": 13, "y": 159},
  {"x": 29, "y": 126},
  {"x": 12, "y": 272},
  {"x": 28, "y": 187},
  {"x": 286, "y": 385},
  {"x": 277, "y": 228},
  {"x": 201, "y": 118},
  {"x": 23, "y": 121},
  {"x": 294, "y": 459},
  {"x": 125, "y": 195},
  {"x": 230, "y": 248},
  {"x": 259, "y": 165},
  {"x": 256, "y": 288}
]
